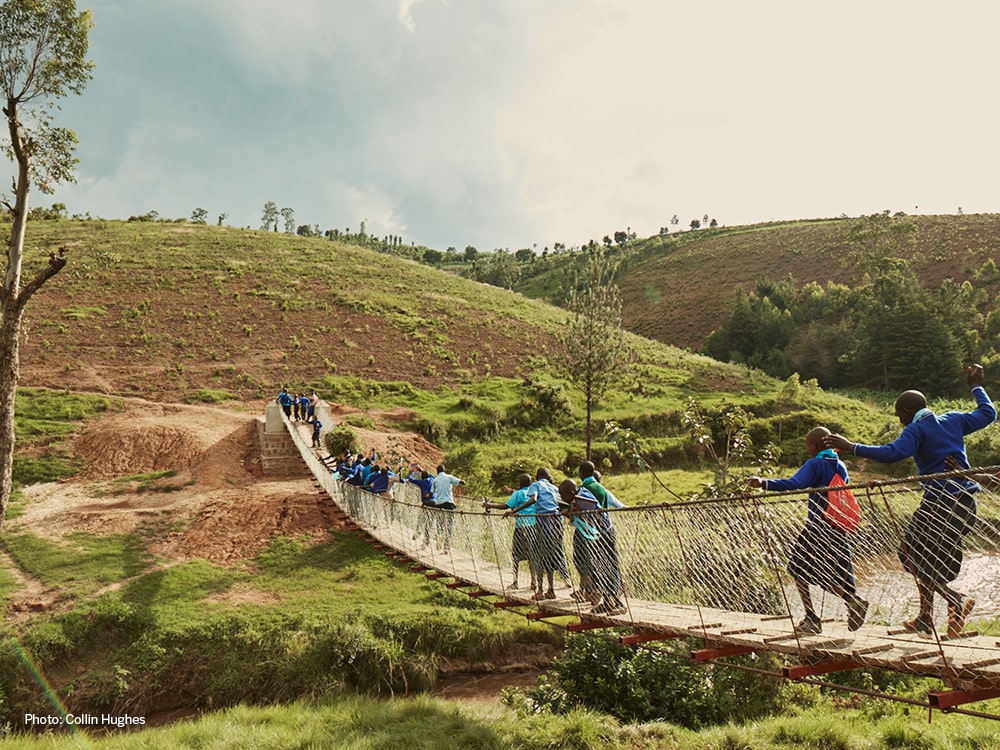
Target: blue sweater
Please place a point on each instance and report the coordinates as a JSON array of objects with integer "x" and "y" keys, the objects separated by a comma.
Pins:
[
  {"x": 931, "y": 439},
  {"x": 545, "y": 495},
  {"x": 816, "y": 472}
]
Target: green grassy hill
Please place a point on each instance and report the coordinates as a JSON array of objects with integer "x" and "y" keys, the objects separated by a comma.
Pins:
[
  {"x": 162, "y": 310},
  {"x": 678, "y": 288},
  {"x": 177, "y": 312}
]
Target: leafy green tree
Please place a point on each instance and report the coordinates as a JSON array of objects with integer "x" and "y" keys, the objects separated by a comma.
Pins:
[
  {"x": 43, "y": 57},
  {"x": 199, "y": 216},
  {"x": 498, "y": 268},
  {"x": 878, "y": 245},
  {"x": 815, "y": 302},
  {"x": 906, "y": 346},
  {"x": 901, "y": 340},
  {"x": 818, "y": 350},
  {"x": 288, "y": 214},
  {"x": 756, "y": 332},
  {"x": 988, "y": 271},
  {"x": 270, "y": 217},
  {"x": 961, "y": 307},
  {"x": 725, "y": 440},
  {"x": 524, "y": 255},
  {"x": 596, "y": 352}
]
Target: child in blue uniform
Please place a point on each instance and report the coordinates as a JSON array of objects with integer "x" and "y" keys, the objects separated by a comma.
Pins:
[{"x": 821, "y": 555}]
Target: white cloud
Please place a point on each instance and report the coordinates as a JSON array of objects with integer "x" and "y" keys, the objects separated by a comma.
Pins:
[
  {"x": 502, "y": 124},
  {"x": 406, "y": 14}
]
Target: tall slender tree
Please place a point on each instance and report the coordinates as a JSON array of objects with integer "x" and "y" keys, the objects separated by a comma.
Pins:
[
  {"x": 43, "y": 57},
  {"x": 288, "y": 214},
  {"x": 270, "y": 216},
  {"x": 597, "y": 354}
]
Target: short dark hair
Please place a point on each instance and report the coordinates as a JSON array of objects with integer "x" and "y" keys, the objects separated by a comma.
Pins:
[{"x": 587, "y": 469}]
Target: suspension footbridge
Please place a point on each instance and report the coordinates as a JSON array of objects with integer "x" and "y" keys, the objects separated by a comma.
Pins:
[{"x": 715, "y": 571}]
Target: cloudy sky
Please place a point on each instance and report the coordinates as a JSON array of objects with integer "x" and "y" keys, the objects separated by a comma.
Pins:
[{"x": 512, "y": 123}]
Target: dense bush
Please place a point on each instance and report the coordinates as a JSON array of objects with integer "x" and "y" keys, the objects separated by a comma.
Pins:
[
  {"x": 543, "y": 404},
  {"x": 340, "y": 439},
  {"x": 650, "y": 684},
  {"x": 235, "y": 657}
]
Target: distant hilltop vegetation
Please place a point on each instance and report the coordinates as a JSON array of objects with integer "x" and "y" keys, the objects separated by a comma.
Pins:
[
  {"x": 880, "y": 302},
  {"x": 161, "y": 309},
  {"x": 678, "y": 288},
  {"x": 679, "y": 295}
]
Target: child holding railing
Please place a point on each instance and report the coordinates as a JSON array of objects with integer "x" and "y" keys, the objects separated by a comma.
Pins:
[{"x": 821, "y": 555}]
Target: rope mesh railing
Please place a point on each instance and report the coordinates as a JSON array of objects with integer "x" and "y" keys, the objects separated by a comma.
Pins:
[{"x": 718, "y": 569}]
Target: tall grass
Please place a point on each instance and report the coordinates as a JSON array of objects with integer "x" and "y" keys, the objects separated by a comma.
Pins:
[{"x": 360, "y": 723}]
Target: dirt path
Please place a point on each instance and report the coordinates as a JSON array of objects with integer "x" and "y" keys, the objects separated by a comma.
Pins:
[{"x": 32, "y": 595}]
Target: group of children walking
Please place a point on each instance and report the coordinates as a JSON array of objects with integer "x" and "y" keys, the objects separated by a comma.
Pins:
[
  {"x": 930, "y": 549},
  {"x": 539, "y": 508},
  {"x": 298, "y": 407}
]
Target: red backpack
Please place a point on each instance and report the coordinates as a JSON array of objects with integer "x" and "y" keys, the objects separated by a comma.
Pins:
[{"x": 842, "y": 510}]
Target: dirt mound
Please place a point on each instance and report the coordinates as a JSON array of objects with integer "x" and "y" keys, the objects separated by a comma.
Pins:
[
  {"x": 210, "y": 501},
  {"x": 234, "y": 526},
  {"x": 211, "y": 484},
  {"x": 215, "y": 446},
  {"x": 390, "y": 444}
]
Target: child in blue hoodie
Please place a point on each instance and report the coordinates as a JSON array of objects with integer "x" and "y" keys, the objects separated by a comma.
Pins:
[{"x": 821, "y": 555}]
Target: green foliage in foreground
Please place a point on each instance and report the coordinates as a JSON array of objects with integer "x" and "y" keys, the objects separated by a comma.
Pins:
[
  {"x": 359, "y": 723},
  {"x": 653, "y": 684},
  {"x": 307, "y": 620}
]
